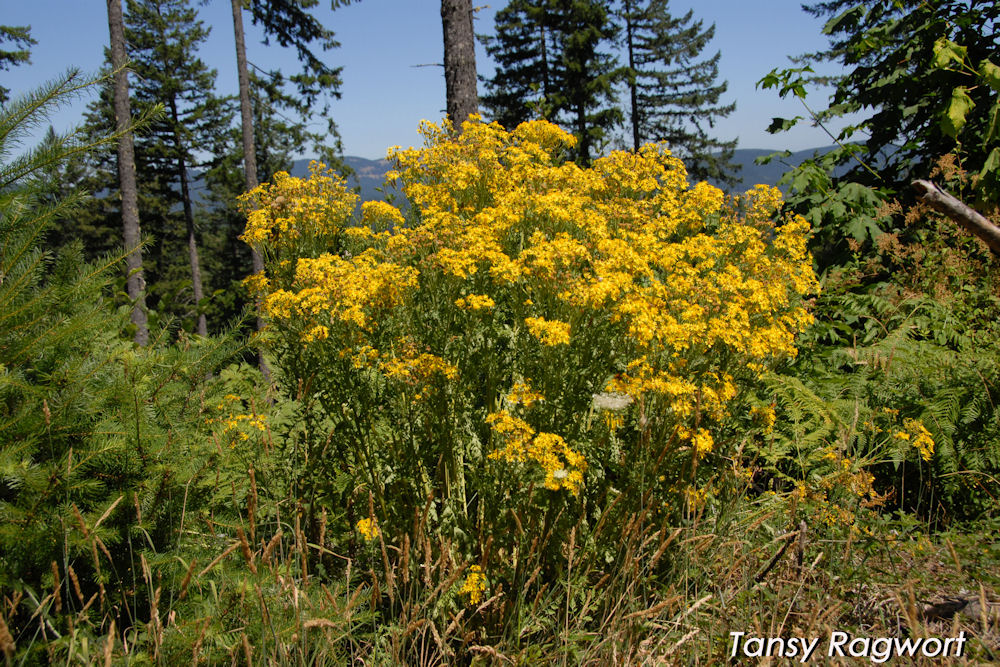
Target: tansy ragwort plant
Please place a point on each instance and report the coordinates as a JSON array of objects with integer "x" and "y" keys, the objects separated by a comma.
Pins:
[{"x": 452, "y": 361}]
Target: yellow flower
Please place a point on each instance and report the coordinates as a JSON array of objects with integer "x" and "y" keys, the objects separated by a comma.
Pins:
[
  {"x": 282, "y": 214},
  {"x": 318, "y": 332},
  {"x": 417, "y": 368},
  {"x": 522, "y": 394},
  {"x": 623, "y": 250},
  {"x": 766, "y": 416},
  {"x": 549, "y": 332},
  {"x": 474, "y": 585},
  {"x": 475, "y": 302},
  {"x": 380, "y": 214},
  {"x": 563, "y": 467},
  {"x": 922, "y": 440},
  {"x": 368, "y": 529},
  {"x": 257, "y": 283},
  {"x": 701, "y": 440},
  {"x": 613, "y": 420}
]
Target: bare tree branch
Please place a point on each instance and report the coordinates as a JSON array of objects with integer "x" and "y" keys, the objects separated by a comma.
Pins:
[{"x": 957, "y": 210}]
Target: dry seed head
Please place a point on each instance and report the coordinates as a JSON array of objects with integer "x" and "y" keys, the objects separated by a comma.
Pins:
[
  {"x": 56, "y": 586},
  {"x": 271, "y": 545},
  {"x": 187, "y": 579},
  {"x": 245, "y": 546},
  {"x": 247, "y": 649},
  {"x": 109, "y": 645},
  {"x": 76, "y": 583},
  {"x": 7, "y": 645},
  {"x": 405, "y": 565},
  {"x": 230, "y": 549}
]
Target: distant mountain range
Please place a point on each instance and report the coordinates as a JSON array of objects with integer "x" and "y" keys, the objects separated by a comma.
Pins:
[{"x": 370, "y": 174}]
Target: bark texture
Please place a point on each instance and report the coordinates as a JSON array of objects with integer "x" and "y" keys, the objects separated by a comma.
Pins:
[
  {"x": 135, "y": 284},
  {"x": 249, "y": 148},
  {"x": 459, "y": 60},
  {"x": 960, "y": 212}
]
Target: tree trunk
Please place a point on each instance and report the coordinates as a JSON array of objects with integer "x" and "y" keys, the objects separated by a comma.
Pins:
[
  {"x": 249, "y": 149},
  {"x": 546, "y": 88},
  {"x": 961, "y": 213},
  {"x": 459, "y": 60},
  {"x": 199, "y": 293},
  {"x": 135, "y": 283},
  {"x": 583, "y": 147}
]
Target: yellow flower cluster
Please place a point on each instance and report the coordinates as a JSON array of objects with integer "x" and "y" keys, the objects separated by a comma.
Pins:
[
  {"x": 361, "y": 358},
  {"x": 380, "y": 215},
  {"x": 474, "y": 585},
  {"x": 368, "y": 529},
  {"x": 549, "y": 332},
  {"x": 522, "y": 394},
  {"x": 706, "y": 393},
  {"x": 562, "y": 466},
  {"x": 766, "y": 416},
  {"x": 289, "y": 210},
  {"x": 701, "y": 440},
  {"x": 318, "y": 332},
  {"x": 332, "y": 288},
  {"x": 236, "y": 425},
  {"x": 417, "y": 370},
  {"x": 918, "y": 436},
  {"x": 475, "y": 302}
]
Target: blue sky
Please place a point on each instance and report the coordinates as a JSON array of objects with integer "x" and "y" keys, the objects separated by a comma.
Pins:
[{"x": 383, "y": 43}]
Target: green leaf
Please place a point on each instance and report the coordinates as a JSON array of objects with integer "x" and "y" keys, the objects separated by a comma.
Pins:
[
  {"x": 769, "y": 80},
  {"x": 991, "y": 133},
  {"x": 991, "y": 164},
  {"x": 954, "y": 118},
  {"x": 846, "y": 20},
  {"x": 990, "y": 74},
  {"x": 947, "y": 51},
  {"x": 789, "y": 80},
  {"x": 767, "y": 159},
  {"x": 782, "y": 124},
  {"x": 863, "y": 227}
]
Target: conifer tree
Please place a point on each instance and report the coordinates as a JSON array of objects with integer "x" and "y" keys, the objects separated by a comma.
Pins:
[
  {"x": 165, "y": 35},
  {"x": 523, "y": 50},
  {"x": 87, "y": 222},
  {"x": 553, "y": 63},
  {"x": 586, "y": 73},
  {"x": 292, "y": 24},
  {"x": 135, "y": 281},
  {"x": 674, "y": 93},
  {"x": 21, "y": 38}
]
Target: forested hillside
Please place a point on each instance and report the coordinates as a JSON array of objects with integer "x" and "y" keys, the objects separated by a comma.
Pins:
[{"x": 573, "y": 381}]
